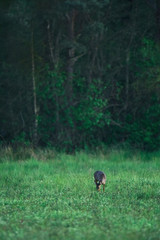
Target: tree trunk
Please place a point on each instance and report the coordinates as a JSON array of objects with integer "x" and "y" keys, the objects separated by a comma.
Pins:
[
  {"x": 158, "y": 19},
  {"x": 71, "y": 54},
  {"x": 127, "y": 79},
  {"x": 35, "y": 108},
  {"x": 50, "y": 43}
]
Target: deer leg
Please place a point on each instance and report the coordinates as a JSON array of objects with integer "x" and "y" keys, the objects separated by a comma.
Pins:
[
  {"x": 97, "y": 185},
  {"x": 95, "y": 182}
]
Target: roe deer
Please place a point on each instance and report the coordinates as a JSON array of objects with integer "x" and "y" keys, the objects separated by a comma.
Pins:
[{"x": 99, "y": 179}]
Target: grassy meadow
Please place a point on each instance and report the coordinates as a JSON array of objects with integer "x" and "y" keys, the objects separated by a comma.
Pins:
[{"x": 46, "y": 195}]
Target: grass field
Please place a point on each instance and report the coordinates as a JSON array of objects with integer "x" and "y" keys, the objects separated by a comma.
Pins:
[{"x": 57, "y": 199}]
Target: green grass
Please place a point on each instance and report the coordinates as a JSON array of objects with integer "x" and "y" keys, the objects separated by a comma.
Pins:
[{"x": 57, "y": 199}]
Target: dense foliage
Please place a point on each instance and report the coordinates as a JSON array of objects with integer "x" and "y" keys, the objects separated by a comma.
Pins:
[{"x": 80, "y": 73}]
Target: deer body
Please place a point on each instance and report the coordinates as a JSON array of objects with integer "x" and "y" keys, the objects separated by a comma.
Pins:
[{"x": 100, "y": 179}]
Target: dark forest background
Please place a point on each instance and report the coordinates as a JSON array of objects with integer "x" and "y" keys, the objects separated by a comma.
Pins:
[{"x": 82, "y": 73}]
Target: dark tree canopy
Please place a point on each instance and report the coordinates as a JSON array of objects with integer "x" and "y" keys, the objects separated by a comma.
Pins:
[{"x": 80, "y": 73}]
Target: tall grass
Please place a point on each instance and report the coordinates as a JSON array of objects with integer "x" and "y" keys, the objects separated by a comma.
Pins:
[{"x": 53, "y": 196}]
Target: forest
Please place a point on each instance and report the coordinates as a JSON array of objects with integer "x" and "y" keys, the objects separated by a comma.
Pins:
[
  {"x": 80, "y": 73},
  {"x": 79, "y": 93}
]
